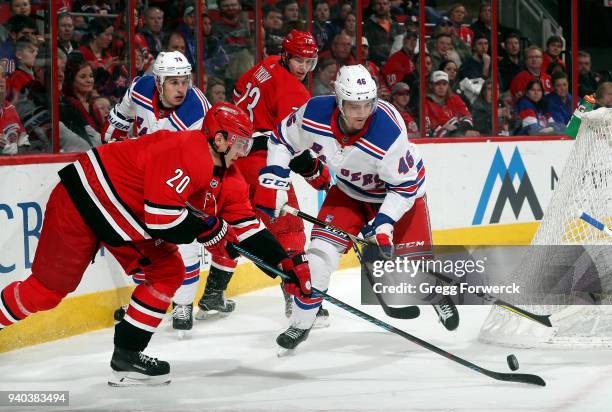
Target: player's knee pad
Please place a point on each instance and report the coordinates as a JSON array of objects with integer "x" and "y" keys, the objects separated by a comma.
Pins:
[{"x": 323, "y": 258}]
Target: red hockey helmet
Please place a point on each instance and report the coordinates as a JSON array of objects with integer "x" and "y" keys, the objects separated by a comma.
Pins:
[
  {"x": 301, "y": 44},
  {"x": 233, "y": 123}
]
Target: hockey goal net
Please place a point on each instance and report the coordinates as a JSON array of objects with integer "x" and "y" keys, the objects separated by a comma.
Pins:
[{"x": 579, "y": 318}]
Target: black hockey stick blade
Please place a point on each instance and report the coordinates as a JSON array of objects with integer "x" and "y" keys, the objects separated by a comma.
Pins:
[
  {"x": 508, "y": 377},
  {"x": 516, "y": 377},
  {"x": 406, "y": 312}
]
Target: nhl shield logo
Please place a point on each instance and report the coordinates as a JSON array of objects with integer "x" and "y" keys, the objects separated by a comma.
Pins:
[
  {"x": 214, "y": 183},
  {"x": 329, "y": 218}
]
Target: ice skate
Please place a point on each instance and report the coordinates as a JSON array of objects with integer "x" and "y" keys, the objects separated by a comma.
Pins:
[
  {"x": 447, "y": 313},
  {"x": 182, "y": 319},
  {"x": 137, "y": 369},
  {"x": 214, "y": 304},
  {"x": 290, "y": 339}
]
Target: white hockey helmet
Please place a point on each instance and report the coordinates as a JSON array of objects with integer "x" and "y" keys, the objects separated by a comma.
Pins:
[
  {"x": 355, "y": 84},
  {"x": 169, "y": 64}
]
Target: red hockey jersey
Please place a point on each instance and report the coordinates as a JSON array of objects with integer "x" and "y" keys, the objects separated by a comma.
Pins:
[
  {"x": 227, "y": 196},
  {"x": 268, "y": 93},
  {"x": 140, "y": 189}
]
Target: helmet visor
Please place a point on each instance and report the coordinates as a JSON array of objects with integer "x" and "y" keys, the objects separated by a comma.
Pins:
[
  {"x": 358, "y": 109},
  {"x": 309, "y": 63},
  {"x": 240, "y": 145}
]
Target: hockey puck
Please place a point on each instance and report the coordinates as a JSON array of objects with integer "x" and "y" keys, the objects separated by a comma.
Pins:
[{"x": 512, "y": 362}]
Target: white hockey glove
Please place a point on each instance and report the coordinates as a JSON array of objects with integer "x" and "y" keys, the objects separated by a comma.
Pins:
[{"x": 271, "y": 194}]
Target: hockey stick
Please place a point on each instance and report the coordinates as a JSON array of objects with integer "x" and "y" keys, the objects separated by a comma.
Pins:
[
  {"x": 406, "y": 312},
  {"x": 541, "y": 319},
  {"x": 509, "y": 377},
  {"x": 595, "y": 223}
]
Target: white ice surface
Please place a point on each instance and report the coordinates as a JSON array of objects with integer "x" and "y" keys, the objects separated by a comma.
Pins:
[{"x": 231, "y": 364}]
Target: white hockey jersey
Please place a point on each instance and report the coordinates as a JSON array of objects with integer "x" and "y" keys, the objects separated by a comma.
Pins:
[
  {"x": 377, "y": 165},
  {"x": 140, "y": 105}
]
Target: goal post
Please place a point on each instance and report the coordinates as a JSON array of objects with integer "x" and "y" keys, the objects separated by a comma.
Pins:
[{"x": 578, "y": 318}]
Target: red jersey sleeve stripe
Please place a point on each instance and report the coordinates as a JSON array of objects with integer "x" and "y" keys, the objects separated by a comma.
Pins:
[{"x": 162, "y": 221}]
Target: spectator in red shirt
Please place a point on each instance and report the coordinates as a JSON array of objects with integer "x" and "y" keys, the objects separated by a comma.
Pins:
[
  {"x": 554, "y": 46},
  {"x": 96, "y": 49},
  {"x": 13, "y": 136},
  {"x": 456, "y": 14},
  {"x": 533, "y": 61},
  {"x": 446, "y": 115},
  {"x": 400, "y": 63},
  {"x": 76, "y": 110},
  {"x": 26, "y": 52},
  {"x": 400, "y": 98}
]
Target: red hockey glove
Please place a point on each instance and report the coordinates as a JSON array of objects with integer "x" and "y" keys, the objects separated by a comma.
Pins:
[
  {"x": 271, "y": 193},
  {"x": 218, "y": 237},
  {"x": 320, "y": 178},
  {"x": 296, "y": 266}
]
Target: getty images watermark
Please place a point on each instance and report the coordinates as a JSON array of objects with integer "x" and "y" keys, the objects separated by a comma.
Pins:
[{"x": 454, "y": 269}]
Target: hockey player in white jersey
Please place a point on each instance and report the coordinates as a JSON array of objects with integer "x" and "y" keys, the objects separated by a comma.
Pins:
[
  {"x": 380, "y": 178},
  {"x": 165, "y": 100}
]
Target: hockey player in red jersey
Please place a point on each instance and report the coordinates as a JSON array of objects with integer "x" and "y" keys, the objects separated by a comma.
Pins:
[
  {"x": 268, "y": 92},
  {"x": 139, "y": 198},
  {"x": 165, "y": 100}
]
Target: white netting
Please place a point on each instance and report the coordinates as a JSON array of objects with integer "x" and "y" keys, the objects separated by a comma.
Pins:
[{"x": 585, "y": 186}]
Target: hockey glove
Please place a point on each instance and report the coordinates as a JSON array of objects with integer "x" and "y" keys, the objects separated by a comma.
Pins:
[
  {"x": 381, "y": 234},
  {"x": 218, "y": 237},
  {"x": 319, "y": 178},
  {"x": 116, "y": 128},
  {"x": 296, "y": 266},
  {"x": 271, "y": 194}
]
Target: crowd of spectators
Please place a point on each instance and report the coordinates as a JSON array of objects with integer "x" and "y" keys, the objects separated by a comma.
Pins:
[{"x": 93, "y": 60}]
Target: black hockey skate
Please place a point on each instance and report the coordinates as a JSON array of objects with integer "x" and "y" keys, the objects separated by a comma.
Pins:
[
  {"x": 290, "y": 339},
  {"x": 447, "y": 313},
  {"x": 182, "y": 318},
  {"x": 135, "y": 368},
  {"x": 119, "y": 314},
  {"x": 214, "y": 303},
  {"x": 322, "y": 319}
]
